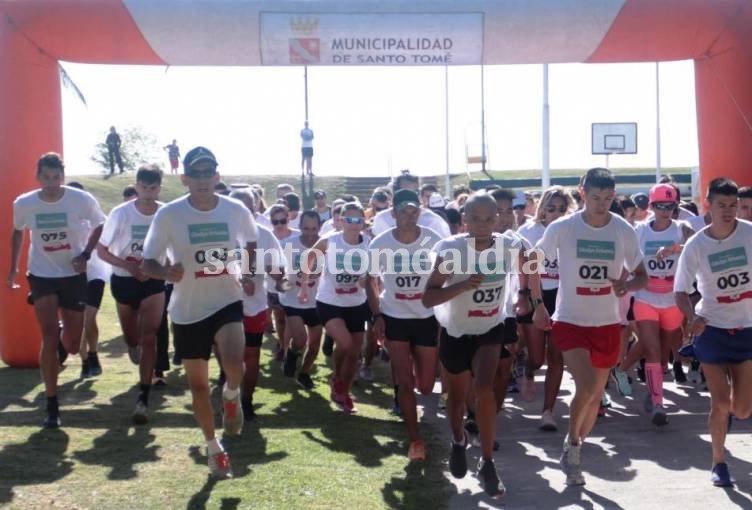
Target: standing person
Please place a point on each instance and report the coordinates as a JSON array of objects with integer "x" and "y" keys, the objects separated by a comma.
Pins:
[
  {"x": 408, "y": 328},
  {"x": 139, "y": 299},
  {"x": 659, "y": 320},
  {"x": 65, "y": 224},
  {"x": 341, "y": 297},
  {"x": 717, "y": 257},
  {"x": 202, "y": 231},
  {"x": 467, "y": 290},
  {"x": 173, "y": 154},
  {"x": 113, "y": 143},
  {"x": 595, "y": 250},
  {"x": 303, "y": 325},
  {"x": 306, "y": 150},
  {"x": 555, "y": 203}
]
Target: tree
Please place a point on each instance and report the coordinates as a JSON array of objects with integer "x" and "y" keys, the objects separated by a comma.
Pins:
[{"x": 138, "y": 146}]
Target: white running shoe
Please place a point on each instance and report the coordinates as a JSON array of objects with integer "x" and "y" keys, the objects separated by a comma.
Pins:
[{"x": 547, "y": 422}]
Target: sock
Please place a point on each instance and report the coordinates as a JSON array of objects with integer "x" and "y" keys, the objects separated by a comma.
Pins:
[
  {"x": 52, "y": 406},
  {"x": 214, "y": 447},
  {"x": 229, "y": 394},
  {"x": 654, "y": 381},
  {"x": 144, "y": 395}
]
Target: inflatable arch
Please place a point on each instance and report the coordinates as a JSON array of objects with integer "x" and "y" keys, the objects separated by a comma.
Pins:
[{"x": 36, "y": 34}]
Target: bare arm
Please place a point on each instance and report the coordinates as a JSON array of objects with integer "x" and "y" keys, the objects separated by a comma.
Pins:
[
  {"x": 16, "y": 239},
  {"x": 436, "y": 293},
  {"x": 169, "y": 272}
]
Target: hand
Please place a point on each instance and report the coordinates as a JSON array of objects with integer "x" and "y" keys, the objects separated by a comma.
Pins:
[
  {"x": 698, "y": 325},
  {"x": 541, "y": 319},
  {"x": 663, "y": 252},
  {"x": 12, "y": 279},
  {"x": 378, "y": 328},
  {"x": 619, "y": 286},
  {"x": 174, "y": 272},
  {"x": 473, "y": 282},
  {"x": 79, "y": 264},
  {"x": 134, "y": 268},
  {"x": 248, "y": 286},
  {"x": 522, "y": 306}
]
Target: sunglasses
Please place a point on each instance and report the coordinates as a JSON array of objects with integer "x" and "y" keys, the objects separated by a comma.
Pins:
[
  {"x": 198, "y": 174},
  {"x": 663, "y": 206},
  {"x": 353, "y": 220},
  {"x": 553, "y": 209},
  {"x": 282, "y": 221}
]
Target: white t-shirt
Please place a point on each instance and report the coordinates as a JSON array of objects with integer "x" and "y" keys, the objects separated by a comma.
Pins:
[
  {"x": 185, "y": 234},
  {"x": 513, "y": 279},
  {"x": 294, "y": 250},
  {"x": 124, "y": 233},
  {"x": 272, "y": 256},
  {"x": 588, "y": 256},
  {"x": 696, "y": 223},
  {"x": 338, "y": 286},
  {"x": 271, "y": 287},
  {"x": 59, "y": 230},
  {"x": 263, "y": 221},
  {"x": 476, "y": 312},
  {"x": 384, "y": 220},
  {"x": 659, "y": 291},
  {"x": 724, "y": 276},
  {"x": 404, "y": 270},
  {"x": 533, "y": 231}
]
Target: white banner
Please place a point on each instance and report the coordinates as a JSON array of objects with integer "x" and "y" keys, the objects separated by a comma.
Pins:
[{"x": 371, "y": 39}]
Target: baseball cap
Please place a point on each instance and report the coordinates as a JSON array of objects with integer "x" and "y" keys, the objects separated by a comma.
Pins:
[
  {"x": 404, "y": 198},
  {"x": 380, "y": 196},
  {"x": 663, "y": 193},
  {"x": 320, "y": 193},
  {"x": 520, "y": 199},
  {"x": 198, "y": 154},
  {"x": 436, "y": 201},
  {"x": 641, "y": 200}
]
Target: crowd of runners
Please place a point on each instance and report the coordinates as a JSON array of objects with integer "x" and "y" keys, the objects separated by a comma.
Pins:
[{"x": 473, "y": 293}]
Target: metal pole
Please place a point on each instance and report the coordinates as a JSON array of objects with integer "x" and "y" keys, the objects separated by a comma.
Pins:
[
  {"x": 546, "y": 163},
  {"x": 482, "y": 121},
  {"x": 446, "y": 129},
  {"x": 657, "y": 124},
  {"x": 305, "y": 81}
]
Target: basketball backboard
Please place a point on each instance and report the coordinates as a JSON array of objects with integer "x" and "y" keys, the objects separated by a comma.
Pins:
[{"x": 614, "y": 137}]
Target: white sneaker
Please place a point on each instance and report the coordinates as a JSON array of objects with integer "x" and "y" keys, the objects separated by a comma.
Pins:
[
  {"x": 528, "y": 389},
  {"x": 570, "y": 463},
  {"x": 140, "y": 416},
  {"x": 547, "y": 421},
  {"x": 219, "y": 466}
]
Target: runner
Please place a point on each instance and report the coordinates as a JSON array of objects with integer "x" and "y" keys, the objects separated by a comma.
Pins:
[
  {"x": 341, "y": 298},
  {"x": 555, "y": 203},
  {"x": 65, "y": 224},
  {"x": 255, "y": 304},
  {"x": 717, "y": 257},
  {"x": 409, "y": 329},
  {"x": 139, "y": 299},
  {"x": 468, "y": 296},
  {"x": 303, "y": 324},
  {"x": 280, "y": 218},
  {"x": 595, "y": 249},
  {"x": 659, "y": 320},
  {"x": 200, "y": 231}
]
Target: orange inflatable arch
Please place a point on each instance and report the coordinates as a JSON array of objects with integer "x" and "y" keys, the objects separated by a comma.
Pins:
[{"x": 36, "y": 34}]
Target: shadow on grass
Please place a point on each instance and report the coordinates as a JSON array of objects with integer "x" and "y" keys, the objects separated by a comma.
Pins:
[{"x": 40, "y": 460}]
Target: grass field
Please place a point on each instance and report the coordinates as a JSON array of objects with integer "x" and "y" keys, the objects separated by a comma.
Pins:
[{"x": 299, "y": 453}]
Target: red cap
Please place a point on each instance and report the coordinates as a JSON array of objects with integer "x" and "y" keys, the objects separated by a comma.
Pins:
[{"x": 663, "y": 193}]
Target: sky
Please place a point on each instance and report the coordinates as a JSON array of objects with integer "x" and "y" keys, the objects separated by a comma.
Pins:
[{"x": 374, "y": 121}]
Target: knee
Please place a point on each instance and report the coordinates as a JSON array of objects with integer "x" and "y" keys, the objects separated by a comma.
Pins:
[
  {"x": 721, "y": 405},
  {"x": 484, "y": 390}
]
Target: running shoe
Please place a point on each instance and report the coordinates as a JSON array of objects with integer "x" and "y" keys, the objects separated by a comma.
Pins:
[
  {"x": 159, "y": 379},
  {"x": 693, "y": 375},
  {"x": 720, "y": 476},
  {"x": 139, "y": 413},
  {"x": 328, "y": 346},
  {"x": 605, "y": 400},
  {"x": 134, "y": 353},
  {"x": 619, "y": 377},
  {"x": 679, "y": 375},
  {"x": 458, "y": 459},
  {"x": 528, "y": 389},
  {"x": 232, "y": 416},
  {"x": 291, "y": 363},
  {"x": 348, "y": 405},
  {"x": 219, "y": 466},
  {"x": 547, "y": 422},
  {"x": 304, "y": 381},
  {"x": 659, "y": 416},
  {"x": 417, "y": 450},
  {"x": 95, "y": 368},
  {"x": 489, "y": 478},
  {"x": 85, "y": 369},
  {"x": 366, "y": 373},
  {"x": 249, "y": 413},
  {"x": 52, "y": 421},
  {"x": 647, "y": 404},
  {"x": 570, "y": 464}
]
